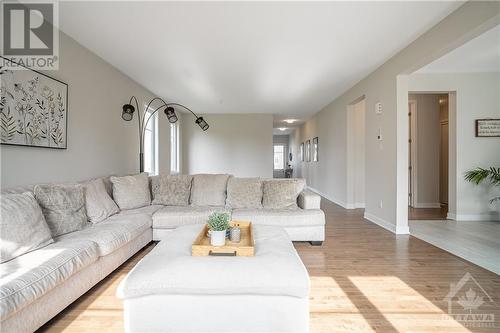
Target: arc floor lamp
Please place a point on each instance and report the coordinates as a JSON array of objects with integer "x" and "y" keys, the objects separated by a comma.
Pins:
[{"x": 128, "y": 114}]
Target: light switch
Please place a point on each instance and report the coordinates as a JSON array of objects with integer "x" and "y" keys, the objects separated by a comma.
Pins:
[{"x": 379, "y": 135}]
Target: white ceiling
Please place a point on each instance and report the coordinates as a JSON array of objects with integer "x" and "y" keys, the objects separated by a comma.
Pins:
[
  {"x": 284, "y": 58},
  {"x": 481, "y": 54}
]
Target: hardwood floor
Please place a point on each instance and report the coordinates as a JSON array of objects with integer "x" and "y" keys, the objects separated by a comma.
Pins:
[
  {"x": 427, "y": 213},
  {"x": 363, "y": 279}
]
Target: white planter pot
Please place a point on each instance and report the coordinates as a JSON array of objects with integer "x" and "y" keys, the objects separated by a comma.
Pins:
[{"x": 218, "y": 238}]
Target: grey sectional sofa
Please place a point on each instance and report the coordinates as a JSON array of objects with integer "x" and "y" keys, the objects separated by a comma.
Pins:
[{"x": 36, "y": 286}]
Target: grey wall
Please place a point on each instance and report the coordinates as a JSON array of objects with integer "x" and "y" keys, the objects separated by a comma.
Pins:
[
  {"x": 238, "y": 144},
  {"x": 99, "y": 141}
]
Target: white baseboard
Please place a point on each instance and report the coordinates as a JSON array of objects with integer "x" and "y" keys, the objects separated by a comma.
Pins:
[
  {"x": 427, "y": 205},
  {"x": 334, "y": 200},
  {"x": 355, "y": 205},
  {"x": 490, "y": 216},
  {"x": 398, "y": 230}
]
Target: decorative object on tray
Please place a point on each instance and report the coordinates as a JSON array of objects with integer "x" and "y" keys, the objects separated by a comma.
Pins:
[
  {"x": 244, "y": 248},
  {"x": 33, "y": 109},
  {"x": 218, "y": 223},
  {"x": 128, "y": 114},
  {"x": 488, "y": 128},
  {"x": 235, "y": 234},
  {"x": 315, "y": 150}
]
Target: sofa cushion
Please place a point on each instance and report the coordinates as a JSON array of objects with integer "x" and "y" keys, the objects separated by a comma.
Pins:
[
  {"x": 63, "y": 206},
  {"x": 112, "y": 233},
  {"x": 98, "y": 203},
  {"x": 131, "y": 191},
  {"x": 209, "y": 190},
  {"x": 22, "y": 226},
  {"x": 281, "y": 217},
  {"x": 283, "y": 193},
  {"x": 171, "y": 190},
  {"x": 174, "y": 216},
  {"x": 244, "y": 192},
  {"x": 30, "y": 276}
]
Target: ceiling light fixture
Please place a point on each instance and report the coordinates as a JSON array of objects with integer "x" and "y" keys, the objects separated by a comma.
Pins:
[
  {"x": 290, "y": 121},
  {"x": 282, "y": 129}
]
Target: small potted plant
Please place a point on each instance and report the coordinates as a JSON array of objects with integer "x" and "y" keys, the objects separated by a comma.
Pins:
[{"x": 218, "y": 223}]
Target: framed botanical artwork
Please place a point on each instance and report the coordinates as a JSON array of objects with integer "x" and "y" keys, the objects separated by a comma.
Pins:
[
  {"x": 315, "y": 150},
  {"x": 308, "y": 151},
  {"x": 33, "y": 109},
  {"x": 302, "y": 151}
]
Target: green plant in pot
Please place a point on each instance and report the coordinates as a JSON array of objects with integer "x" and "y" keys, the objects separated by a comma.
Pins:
[
  {"x": 218, "y": 223},
  {"x": 479, "y": 175}
]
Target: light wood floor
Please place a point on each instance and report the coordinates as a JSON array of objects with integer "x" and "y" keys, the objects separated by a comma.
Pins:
[{"x": 363, "y": 279}]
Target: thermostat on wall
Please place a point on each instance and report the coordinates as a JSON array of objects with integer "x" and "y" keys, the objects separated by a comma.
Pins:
[{"x": 378, "y": 108}]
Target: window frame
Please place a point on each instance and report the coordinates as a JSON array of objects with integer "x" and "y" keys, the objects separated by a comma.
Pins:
[
  {"x": 283, "y": 153},
  {"x": 174, "y": 148}
]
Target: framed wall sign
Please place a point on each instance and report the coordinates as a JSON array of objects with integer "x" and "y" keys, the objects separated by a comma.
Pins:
[
  {"x": 308, "y": 151},
  {"x": 33, "y": 109},
  {"x": 302, "y": 151},
  {"x": 315, "y": 150},
  {"x": 487, "y": 127}
]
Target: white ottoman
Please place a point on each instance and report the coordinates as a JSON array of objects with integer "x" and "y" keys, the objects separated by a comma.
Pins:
[{"x": 171, "y": 291}]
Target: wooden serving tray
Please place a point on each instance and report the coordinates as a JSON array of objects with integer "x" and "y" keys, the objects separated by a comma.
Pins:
[{"x": 245, "y": 248}]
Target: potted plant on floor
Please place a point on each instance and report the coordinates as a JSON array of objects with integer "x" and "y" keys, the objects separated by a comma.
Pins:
[
  {"x": 478, "y": 175},
  {"x": 218, "y": 223}
]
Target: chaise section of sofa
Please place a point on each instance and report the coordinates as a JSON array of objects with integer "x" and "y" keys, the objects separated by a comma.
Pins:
[{"x": 36, "y": 286}]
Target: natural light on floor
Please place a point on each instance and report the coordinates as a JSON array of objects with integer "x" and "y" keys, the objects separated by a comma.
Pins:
[{"x": 403, "y": 308}]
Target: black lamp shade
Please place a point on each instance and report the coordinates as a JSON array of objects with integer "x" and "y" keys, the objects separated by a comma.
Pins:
[
  {"x": 128, "y": 112},
  {"x": 202, "y": 123},
  {"x": 171, "y": 116}
]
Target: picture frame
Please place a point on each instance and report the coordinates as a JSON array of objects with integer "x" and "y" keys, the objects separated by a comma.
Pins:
[
  {"x": 315, "y": 148},
  {"x": 33, "y": 109},
  {"x": 308, "y": 151},
  {"x": 302, "y": 152},
  {"x": 487, "y": 128}
]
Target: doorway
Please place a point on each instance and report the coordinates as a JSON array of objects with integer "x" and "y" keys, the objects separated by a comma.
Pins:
[
  {"x": 356, "y": 113},
  {"x": 428, "y": 156}
]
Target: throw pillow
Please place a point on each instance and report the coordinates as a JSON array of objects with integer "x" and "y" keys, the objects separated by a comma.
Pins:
[
  {"x": 131, "y": 191},
  {"x": 63, "y": 207},
  {"x": 98, "y": 203},
  {"x": 244, "y": 193},
  {"x": 22, "y": 226},
  {"x": 209, "y": 190},
  {"x": 171, "y": 190},
  {"x": 281, "y": 194}
]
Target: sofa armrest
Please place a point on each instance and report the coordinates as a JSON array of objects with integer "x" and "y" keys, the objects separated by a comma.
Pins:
[{"x": 309, "y": 200}]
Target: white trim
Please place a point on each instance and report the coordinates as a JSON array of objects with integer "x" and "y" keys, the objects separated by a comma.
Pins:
[
  {"x": 427, "y": 205},
  {"x": 334, "y": 200},
  {"x": 355, "y": 205},
  {"x": 386, "y": 224}
]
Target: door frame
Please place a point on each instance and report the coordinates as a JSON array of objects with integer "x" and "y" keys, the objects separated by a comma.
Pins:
[{"x": 412, "y": 153}]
